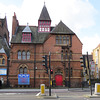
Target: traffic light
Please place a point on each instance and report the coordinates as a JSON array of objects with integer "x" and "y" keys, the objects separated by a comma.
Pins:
[
  {"x": 45, "y": 63},
  {"x": 82, "y": 61},
  {"x": 51, "y": 71}
]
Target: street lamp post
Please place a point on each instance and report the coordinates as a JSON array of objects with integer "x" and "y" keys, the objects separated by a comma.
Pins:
[
  {"x": 49, "y": 74},
  {"x": 89, "y": 74}
]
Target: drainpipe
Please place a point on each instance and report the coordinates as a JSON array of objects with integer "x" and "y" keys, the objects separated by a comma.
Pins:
[
  {"x": 7, "y": 71},
  {"x": 34, "y": 64}
]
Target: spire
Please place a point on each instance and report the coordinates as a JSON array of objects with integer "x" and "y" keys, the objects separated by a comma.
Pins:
[{"x": 44, "y": 14}]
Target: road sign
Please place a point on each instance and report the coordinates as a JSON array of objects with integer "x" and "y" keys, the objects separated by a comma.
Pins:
[{"x": 92, "y": 66}]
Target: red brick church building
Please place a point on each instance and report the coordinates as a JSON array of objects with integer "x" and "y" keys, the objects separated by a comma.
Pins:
[{"x": 30, "y": 43}]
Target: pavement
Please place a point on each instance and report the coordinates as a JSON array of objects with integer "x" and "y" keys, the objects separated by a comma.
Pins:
[{"x": 55, "y": 93}]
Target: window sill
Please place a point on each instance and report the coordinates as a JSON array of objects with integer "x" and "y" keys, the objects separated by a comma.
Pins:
[{"x": 62, "y": 45}]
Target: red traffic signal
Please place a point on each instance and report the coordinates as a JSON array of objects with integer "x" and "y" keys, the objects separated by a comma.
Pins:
[{"x": 51, "y": 71}]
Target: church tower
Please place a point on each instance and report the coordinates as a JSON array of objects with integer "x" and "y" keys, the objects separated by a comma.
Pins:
[{"x": 44, "y": 22}]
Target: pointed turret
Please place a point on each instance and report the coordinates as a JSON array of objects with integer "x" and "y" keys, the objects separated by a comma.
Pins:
[
  {"x": 44, "y": 22},
  {"x": 44, "y": 14}
]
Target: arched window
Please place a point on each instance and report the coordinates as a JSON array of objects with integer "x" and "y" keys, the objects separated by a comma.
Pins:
[
  {"x": 23, "y": 55},
  {"x": 20, "y": 70},
  {"x": 19, "y": 54},
  {"x": 25, "y": 70},
  {"x": 2, "y": 60},
  {"x": 28, "y": 55}
]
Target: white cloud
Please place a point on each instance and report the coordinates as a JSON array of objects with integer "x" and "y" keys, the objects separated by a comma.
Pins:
[
  {"x": 90, "y": 43},
  {"x": 76, "y": 14}
]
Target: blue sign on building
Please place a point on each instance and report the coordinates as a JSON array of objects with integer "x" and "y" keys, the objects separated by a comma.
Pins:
[
  {"x": 3, "y": 71},
  {"x": 23, "y": 79}
]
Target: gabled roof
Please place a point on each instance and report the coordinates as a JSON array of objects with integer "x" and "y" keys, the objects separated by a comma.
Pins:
[
  {"x": 27, "y": 29},
  {"x": 2, "y": 50},
  {"x": 61, "y": 28},
  {"x": 44, "y": 14}
]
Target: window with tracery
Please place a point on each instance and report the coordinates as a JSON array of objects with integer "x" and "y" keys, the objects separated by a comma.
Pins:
[
  {"x": 2, "y": 60},
  {"x": 23, "y": 70}
]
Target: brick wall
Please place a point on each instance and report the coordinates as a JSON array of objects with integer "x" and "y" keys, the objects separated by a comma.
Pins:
[{"x": 41, "y": 76}]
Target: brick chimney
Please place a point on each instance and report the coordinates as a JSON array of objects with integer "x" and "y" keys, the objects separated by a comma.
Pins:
[{"x": 15, "y": 24}]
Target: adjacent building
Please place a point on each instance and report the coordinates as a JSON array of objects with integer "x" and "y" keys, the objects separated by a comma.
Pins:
[
  {"x": 96, "y": 58},
  {"x": 4, "y": 50}
]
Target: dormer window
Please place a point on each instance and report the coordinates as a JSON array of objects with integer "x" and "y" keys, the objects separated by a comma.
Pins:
[
  {"x": 26, "y": 34},
  {"x": 26, "y": 37}
]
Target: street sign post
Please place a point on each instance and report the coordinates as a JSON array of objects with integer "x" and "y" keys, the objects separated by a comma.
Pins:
[{"x": 92, "y": 66}]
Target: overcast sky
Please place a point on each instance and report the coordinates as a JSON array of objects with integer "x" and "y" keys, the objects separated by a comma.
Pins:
[{"x": 81, "y": 16}]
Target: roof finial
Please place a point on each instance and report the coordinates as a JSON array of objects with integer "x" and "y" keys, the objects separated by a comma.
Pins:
[
  {"x": 44, "y": 3},
  {"x": 27, "y": 23}
]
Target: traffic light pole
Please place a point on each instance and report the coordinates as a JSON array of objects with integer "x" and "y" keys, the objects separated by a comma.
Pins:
[
  {"x": 89, "y": 74},
  {"x": 49, "y": 75},
  {"x": 69, "y": 67}
]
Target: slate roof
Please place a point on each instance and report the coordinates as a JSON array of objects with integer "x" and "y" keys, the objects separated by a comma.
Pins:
[
  {"x": 44, "y": 14},
  {"x": 36, "y": 37},
  {"x": 61, "y": 28},
  {"x": 40, "y": 38},
  {"x": 4, "y": 48}
]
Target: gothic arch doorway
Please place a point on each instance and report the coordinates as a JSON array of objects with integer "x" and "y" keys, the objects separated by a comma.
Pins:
[{"x": 58, "y": 78}]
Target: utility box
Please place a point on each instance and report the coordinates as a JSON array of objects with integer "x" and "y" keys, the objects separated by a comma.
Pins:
[
  {"x": 97, "y": 88},
  {"x": 42, "y": 86}
]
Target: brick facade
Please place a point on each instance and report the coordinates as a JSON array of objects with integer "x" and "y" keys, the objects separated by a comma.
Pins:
[
  {"x": 4, "y": 50},
  {"x": 37, "y": 50}
]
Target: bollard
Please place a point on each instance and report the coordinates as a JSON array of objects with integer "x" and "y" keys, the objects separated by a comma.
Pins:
[
  {"x": 42, "y": 89},
  {"x": 97, "y": 88}
]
